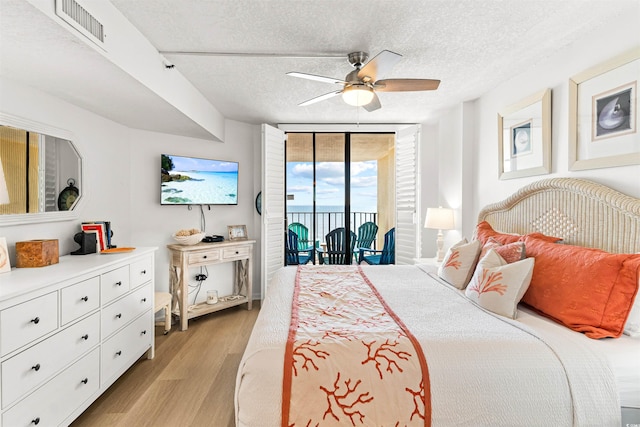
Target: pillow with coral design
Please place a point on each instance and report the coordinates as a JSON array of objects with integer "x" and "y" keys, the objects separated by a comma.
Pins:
[
  {"x": 459, "y": 262},
  {"x": 499, "y": 286},
  {"x": 511, "y": 252}
]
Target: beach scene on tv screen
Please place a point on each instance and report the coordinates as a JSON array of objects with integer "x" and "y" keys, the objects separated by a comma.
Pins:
[{"x": 190, "y": 180}]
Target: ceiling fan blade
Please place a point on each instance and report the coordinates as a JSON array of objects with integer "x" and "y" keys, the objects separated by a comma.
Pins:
[
  {"x": 380, "y": 65},
  {"x": 374, "y": 104},
  {"x": 316, "y": 78},
  {"x": 320, "y": 98},
  {"x": 405, "y": 85}
]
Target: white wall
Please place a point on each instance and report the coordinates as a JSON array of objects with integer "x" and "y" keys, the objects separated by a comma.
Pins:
[
  {"x": 473, "y": 180},
  {"x": 104, "y": 146},
  {"x": 122, "y": 181},
  {"x": 153, "y": 224}
]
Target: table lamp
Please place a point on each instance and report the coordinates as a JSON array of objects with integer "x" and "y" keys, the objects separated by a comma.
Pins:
[{"x": 440, "y": 219}]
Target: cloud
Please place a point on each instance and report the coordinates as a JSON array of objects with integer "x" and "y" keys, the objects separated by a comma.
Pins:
[{"x": 299, "y": 189}]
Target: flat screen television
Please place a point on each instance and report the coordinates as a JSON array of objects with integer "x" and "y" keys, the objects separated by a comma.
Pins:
[{"x": 196, "y": 181}]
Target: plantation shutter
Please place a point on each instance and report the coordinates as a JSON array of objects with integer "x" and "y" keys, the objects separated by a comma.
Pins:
[
  {"x": 407, "y": 194},
  {"x": 48, "y": 178},
  {"x": 273, "y": 191}
]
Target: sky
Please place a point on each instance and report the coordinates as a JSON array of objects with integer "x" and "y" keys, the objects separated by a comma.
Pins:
[
  {"x": 330, "y": 184},
  {"x": 185, "y": 164}
]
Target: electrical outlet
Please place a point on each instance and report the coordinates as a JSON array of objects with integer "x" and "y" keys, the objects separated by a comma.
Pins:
[{"x": 201, "y": 277}]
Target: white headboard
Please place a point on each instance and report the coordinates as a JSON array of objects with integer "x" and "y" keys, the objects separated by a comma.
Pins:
[{"x": 579, "y": 211}]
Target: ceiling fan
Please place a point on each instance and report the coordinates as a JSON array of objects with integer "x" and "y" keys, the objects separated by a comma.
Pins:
[{"x": 360, "y": 85}]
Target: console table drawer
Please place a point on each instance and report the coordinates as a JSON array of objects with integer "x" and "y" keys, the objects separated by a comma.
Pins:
[
  {"x": 119, "y": 350},
  {"x": 28, "y": 321},
  {"x": 52, "y": 403},
  {"x": 204, "y": 257},
  {"x": 27, "y": 370},
  {"x": 141, "y": 272},
  {"x": 114, "y": 283},
  {"x": 237, "y": 252},
  {"x": 79, "y": 299},
  {"x": 123, "y": 311}
]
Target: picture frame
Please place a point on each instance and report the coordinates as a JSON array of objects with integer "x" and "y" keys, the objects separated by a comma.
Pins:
[
  {"x": 237, "y": 232},
  {"x": 5, "y": 262},
  {"x": 524, "y": 137},
  {"x": 603, "y": 114}
]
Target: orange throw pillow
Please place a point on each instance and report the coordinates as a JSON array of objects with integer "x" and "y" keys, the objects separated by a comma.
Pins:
[
  {"x": 587, "y": 290},
  {"x": 511, "y": 252},
  {"x": 484, "y": 231}
]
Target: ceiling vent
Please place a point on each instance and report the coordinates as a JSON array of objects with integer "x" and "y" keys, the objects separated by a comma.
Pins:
[{"x": 78, "y": 17}]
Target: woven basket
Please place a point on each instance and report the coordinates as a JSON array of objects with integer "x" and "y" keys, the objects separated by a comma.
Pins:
[{"x": 189, "y": 240}]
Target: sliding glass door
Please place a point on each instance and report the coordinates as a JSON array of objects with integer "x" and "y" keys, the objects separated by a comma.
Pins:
[{"x": 335, "y": 183}]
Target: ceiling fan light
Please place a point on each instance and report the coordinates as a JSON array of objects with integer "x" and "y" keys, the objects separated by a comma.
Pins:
[{"x": 357, "y": 95}]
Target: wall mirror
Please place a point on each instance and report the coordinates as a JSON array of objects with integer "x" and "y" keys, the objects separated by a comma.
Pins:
[{"x": 40, "y": 174}]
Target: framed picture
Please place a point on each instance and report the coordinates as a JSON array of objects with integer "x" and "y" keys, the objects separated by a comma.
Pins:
[
  {"x": 603, "y": 114},
  {"x": 237, "y": 232},
  {"x": 5, "y": 264},
  {"x": 524, "y": 137}
]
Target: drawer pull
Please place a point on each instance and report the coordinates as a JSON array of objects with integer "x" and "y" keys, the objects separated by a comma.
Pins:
[
  {"x": 144, "y": 300},
  {"x": 36, "y": 367},
  {"x": 143, "y": 272},
  {"x": 35, "y": 321},
  {"x": 237, "y": 252},
  {"x": 36, "y": 421},
  {"x": 204, "y": 256},
  {"x": 143, "y": 332},
  {"x": 119, "y": 283},
  {"x": 119, "y": 316},
  {"x": 84, "y": 381},
  {"x": 118, "y": 353},
  {"x": 85, "y": 298},
  {"x": 85, "y": 337}
]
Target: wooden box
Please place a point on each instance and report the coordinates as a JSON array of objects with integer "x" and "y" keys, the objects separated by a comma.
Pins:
[{"x": 36, "y": 253}]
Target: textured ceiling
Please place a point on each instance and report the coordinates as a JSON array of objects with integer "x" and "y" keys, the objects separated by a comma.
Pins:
[{"x": 470, "y": 45}]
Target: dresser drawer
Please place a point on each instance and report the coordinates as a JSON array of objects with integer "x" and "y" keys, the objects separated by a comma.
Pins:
[
  {"x": 28, "y": 321},
  {"x": 114, "y": 283},
  {"x": 79, "y": 299},
  {"x": 32, "y": 367},
  {"x": 141, "y": 272},
  {"x": 52, "y": 403},
  {"x": 127, "y": 345},
  {"x": 126, "y": 309},
  {"x": 203, "y": 257},
  {"x": 239, "y": 252}
]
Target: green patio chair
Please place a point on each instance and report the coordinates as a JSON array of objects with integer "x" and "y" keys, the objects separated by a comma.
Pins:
[
  {"x": 301, "y": 230},
  {"x": 366, "y": 235}
]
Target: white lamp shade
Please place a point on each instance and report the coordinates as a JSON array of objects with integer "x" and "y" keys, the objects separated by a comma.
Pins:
[
  {"x": 4, "y": 192},
  {"x": 357, "y": 95},
  {"x": 439, "y": 219}
]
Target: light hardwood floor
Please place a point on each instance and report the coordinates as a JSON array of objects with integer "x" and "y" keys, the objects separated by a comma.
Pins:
[{"x": 190, "y": 382}]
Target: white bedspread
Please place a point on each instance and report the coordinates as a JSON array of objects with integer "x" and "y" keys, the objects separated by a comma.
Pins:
[{"x": 485, "y": 370}]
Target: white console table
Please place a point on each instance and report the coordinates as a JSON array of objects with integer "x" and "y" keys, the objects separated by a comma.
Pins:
[{"x": 182, "y": 258}]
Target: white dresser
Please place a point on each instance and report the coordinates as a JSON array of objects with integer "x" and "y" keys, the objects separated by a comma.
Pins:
[{"x": 69, "y": 330}]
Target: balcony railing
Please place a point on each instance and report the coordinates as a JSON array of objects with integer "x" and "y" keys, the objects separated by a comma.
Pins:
[{"x": 327, "y": 221}]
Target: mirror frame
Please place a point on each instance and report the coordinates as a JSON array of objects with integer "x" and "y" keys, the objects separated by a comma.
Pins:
[{"x": 41, "y": 217}]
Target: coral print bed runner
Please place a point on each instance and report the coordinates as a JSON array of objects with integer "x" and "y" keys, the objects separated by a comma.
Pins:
[{"x": 349, "y": 361}]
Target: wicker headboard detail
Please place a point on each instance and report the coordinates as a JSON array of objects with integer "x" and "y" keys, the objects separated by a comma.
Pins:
[{"x": 579, "y": 211}]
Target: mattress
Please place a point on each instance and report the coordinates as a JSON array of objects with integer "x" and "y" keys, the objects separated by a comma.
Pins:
[
  {"x": 622, "y": 354},
  {"x": 526, "y": 371}
]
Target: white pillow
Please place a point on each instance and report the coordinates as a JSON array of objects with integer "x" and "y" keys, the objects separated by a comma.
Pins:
[
  {"x": 499, "y": 286},
  {"x": 632, "y": 325},
  {"x": 459, "y": 262}
]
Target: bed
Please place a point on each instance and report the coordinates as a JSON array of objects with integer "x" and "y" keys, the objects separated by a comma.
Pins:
[{"x": 481, "y": 368}]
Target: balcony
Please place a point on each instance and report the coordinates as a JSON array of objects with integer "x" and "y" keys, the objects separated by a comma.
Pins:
[{"x": 327, "y": 221}]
